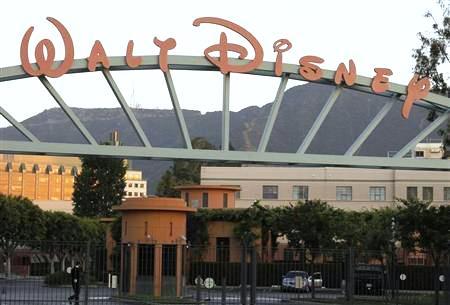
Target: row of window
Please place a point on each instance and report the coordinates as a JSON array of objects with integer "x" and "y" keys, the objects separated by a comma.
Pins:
[
  {"x": 344, "y": 193},
  {"x": 205, "y": 200},
  {"x": 136, "y": 185},
  {"x": 136, "y": 194}
]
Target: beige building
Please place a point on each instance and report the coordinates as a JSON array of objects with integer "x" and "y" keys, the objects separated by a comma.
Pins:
[
  {"x": 347, "y": 188},
  {"x": 135, "y": 186},
  {"x": 429, "y": 150}
]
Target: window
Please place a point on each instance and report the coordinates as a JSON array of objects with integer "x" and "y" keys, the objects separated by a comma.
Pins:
[
  {"x": 130, "y": 193},
  {"x": 194, "y": 203},
  {"x": 270, "y": 192},
  {"x": 300, "y": 192},
  {"x": 420, "y": 154},
  {"x": 142, "y": 185},
  {"x": 377, "y": 193},
  {"x": 205, "y": 200},
  {"x": 225, "y": 200},
  {"x": 411, "y": 193},
  {"x": 446, "y": 193},
  {"x": 130, "y": 184},
  {"x": 136, "y": 185},
  {"x": 141, "y": 194},
  {"x": 343, "y": 193},
  {"x": 135, "y": 194},
  {"x": 427, "y": 193},
  {"x": 186, "y": 198}
]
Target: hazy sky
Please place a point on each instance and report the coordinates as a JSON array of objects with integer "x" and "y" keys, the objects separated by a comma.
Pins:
[{"x": 379, "y": 33}]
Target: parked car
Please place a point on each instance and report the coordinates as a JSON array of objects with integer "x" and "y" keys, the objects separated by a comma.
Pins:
[
  {"x": 370, "y": 279},
  {"x": 300, "y": 280}
]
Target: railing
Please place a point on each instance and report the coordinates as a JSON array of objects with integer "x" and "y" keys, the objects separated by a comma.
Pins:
[{"x": 169, "y": 274}]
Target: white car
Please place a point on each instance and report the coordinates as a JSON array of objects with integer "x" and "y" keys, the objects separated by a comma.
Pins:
[{"x": 300, "y": 280}]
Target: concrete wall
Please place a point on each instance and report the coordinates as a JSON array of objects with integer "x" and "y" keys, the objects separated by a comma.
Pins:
[{"x": 215, "y": 198}]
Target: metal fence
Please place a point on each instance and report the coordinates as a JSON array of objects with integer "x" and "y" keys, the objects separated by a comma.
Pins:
[
  {"x": 181, "y": 274},
  {"x": 38, "y": 273}
]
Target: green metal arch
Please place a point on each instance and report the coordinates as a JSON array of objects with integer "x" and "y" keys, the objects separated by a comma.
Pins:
[
  {"x": 200, "y": 63},
  {"x": 197, "y": 63}
]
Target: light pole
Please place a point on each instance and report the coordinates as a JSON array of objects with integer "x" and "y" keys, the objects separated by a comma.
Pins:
[{"x": 393, "y": 258}]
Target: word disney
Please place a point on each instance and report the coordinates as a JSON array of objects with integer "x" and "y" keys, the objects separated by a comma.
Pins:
[{"x": 308, "y": 67}]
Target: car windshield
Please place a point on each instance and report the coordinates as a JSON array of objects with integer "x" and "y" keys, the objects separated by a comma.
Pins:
[{"x": 296, "y": 273}]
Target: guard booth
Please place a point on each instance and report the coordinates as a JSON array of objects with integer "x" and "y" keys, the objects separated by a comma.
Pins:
[{"x": 153, "y": 240}]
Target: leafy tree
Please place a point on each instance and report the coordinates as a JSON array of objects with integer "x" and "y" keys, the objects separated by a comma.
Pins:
[
  {"x": 377, "y": 233},
  {"x": 310, "y": 224},
  {"x": 423, "y": 227},
  {"x": 432, "y": 59},
  {"x": 62, "y": 230},
  {"x": 116, "y": 230},
  {"x": 182, "y": 172},
  {"x": 99, "y": 186},
  {"x": 20, "y": 222}
]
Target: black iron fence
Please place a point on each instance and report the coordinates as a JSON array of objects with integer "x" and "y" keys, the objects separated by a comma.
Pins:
[{"x": 40, "y": 273}]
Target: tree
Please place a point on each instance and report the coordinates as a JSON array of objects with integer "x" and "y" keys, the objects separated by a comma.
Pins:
[
  {"x": 423, "y": 227},
  {"x": 99, "y": 186},
  {"x": 310, "y": 225},
  {"x": 62, "y": 230},
  {"x": 431, "y": 59},
  {"x": 182, "y": 172},
  {"x": 20, "y": 222}
]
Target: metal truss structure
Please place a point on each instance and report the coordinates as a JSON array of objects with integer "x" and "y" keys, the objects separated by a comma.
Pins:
[{"x": 397, "y": 93}]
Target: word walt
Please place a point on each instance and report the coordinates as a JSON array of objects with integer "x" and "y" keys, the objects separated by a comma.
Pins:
[{"x": 308, "y": 68}]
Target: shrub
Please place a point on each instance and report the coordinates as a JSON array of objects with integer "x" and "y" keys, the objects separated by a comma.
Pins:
[{"x": 58, "y": 278}]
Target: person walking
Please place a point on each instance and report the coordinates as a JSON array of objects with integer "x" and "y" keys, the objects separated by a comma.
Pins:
[{"x": 75, "y": 273}]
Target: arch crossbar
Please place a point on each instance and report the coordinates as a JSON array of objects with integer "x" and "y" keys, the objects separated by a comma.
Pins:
[{"x": 397, "y": 92}]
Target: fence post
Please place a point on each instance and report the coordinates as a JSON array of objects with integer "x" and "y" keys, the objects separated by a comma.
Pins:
[
  {"x": 198, "y": 285},
  {"x": 350, "y": 283},
  {"x": 313, "y": 287},
  {"x": 253, "y": 277},
  {"x": 86, "y": 273},
  {"x": 244, "y": 275},
  {"x": 224, "y": 290}
]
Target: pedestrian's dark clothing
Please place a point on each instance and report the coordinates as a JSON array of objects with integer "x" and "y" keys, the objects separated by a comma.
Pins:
[{"x": 76, "y": 284}]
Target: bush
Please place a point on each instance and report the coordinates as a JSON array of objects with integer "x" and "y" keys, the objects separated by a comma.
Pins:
[{"x": 58, "y": 278}]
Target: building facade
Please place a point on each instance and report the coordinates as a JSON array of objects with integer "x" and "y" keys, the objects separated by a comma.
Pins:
[
  {"x": 47, "y": 181},
  {"x": 347, "y": 188},
  {"x": 135, "y": 186},
  {"x": 209, "y": 196}
]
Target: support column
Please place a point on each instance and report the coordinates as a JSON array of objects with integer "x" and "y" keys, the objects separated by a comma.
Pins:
[
  {"x": 133, "y": 268},
  {"x": 179, "y": 270},
  {"x": 157, "y": 271}
]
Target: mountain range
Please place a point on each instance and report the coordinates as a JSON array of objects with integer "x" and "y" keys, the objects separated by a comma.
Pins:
[{"x": 351, "y": 113}]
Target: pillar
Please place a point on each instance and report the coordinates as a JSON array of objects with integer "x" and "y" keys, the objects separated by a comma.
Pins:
[
  {"x": 133, "y": 268},
  {"x": 179, "y": 270},
  {"x": 157, "y": 271}
]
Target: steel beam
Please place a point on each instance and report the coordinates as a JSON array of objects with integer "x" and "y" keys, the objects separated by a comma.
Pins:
[
  {"x": 200, "y": 63},
  {"x": 67, "y": 110},
  {"x": 371, "y": 127},
  {"x": 273, "y": 114},
  {"x": 177, "y": 109},
  {"x": 18, "y": 126},
  {"x": 425, "y": 132},
  {"x": 319, "y": 120},
  {"x": 130, "y": 152},
  {"x": 126, "y": 109},
  {"x": 226, "y": 113}
]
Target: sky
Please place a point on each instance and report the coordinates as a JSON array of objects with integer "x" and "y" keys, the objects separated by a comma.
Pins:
[{"x": 379, "y": 33}]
